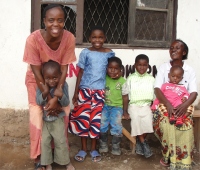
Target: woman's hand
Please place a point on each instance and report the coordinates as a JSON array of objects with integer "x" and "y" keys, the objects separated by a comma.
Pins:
[
  {"x": 53, "y": 108},
  {"x": 181, "y": 109},
  {"x": 45, "y": 91},
  {"x": 59, "y": 92}
]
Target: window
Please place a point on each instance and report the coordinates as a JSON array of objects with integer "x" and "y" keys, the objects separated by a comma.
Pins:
[{"x": 128, "y": 23}]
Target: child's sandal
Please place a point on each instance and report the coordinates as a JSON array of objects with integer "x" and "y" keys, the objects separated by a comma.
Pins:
[
  {"x": 96, "y": 157},
  {"x": 80, "y": 156}
]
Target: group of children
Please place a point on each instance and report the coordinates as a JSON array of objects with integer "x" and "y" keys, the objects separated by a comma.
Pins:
[{"x": 101, "y": 98}]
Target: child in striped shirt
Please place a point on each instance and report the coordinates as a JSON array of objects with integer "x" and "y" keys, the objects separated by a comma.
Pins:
[{"x": 139, "y": 92}]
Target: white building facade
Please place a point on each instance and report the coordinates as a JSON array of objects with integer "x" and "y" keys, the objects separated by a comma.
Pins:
[{"x": 15, "y": 27}]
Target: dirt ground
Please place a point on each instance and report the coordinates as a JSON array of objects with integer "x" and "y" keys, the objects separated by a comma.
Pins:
[{"x": 16, "y": 156}]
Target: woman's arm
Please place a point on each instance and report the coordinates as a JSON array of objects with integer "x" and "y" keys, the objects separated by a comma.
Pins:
[
  {"x": 38, "y": 76},
  {"x": 78, "y": 80},
  {"x": 182, "y": 108},
  {"x": 192, "y": 89},
  {"x": 64, "y": 69}
]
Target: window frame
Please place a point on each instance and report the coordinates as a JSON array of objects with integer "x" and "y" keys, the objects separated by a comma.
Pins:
[{"x": 170, "y": 24}]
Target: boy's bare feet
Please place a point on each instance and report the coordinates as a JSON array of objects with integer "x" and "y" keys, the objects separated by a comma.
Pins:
[
  {"x": 41, "y": 168},
  {"x": 70, "y": 167},
  {"x": 49, "y": 167}
]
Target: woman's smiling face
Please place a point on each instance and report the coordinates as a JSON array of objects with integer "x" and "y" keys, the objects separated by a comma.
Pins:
[
  {"x": 177, "y": 50},
  {"x": 54, "y": 21}
]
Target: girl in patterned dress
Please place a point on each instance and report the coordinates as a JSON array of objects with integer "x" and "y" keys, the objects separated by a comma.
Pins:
[{"x": 88, "y": 97}]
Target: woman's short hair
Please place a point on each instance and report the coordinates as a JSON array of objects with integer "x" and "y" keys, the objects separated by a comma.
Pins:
[
  {"x": 50, "y": 6},
  {"x": 185, "y": 57}
]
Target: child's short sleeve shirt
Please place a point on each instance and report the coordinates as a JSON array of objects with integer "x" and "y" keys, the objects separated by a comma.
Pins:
[
  {"x": 140, "y": 89},
  {"x": 94, "y": 64},
  {"x": 113, "y": 91},
  {"x": 174, "y": 93}
]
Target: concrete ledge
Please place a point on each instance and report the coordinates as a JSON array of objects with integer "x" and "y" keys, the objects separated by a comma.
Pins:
[{"x": 196, "y": 113}]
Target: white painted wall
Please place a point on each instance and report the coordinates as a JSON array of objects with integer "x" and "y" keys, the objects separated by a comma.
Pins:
[
  {"x": 15, "y": 27},
  {"x": 15, "y": 19}
]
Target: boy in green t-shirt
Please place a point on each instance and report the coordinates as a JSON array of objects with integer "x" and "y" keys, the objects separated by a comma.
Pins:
[{"x": 113, "y": 108}]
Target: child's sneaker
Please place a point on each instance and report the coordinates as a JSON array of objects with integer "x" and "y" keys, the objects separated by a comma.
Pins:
[
  {"x": 138, "y": 147},
  {"x": 147, "y": 151},
  {"x": 103, "y": 147},
  {"x": 172, "y": 119},
  {"x": 116, "y": 145}
]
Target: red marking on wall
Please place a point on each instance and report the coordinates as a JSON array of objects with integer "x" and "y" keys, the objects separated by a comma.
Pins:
[
  {"x": 127, "y": 70},
  {"x": 73, "y": 70}
]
